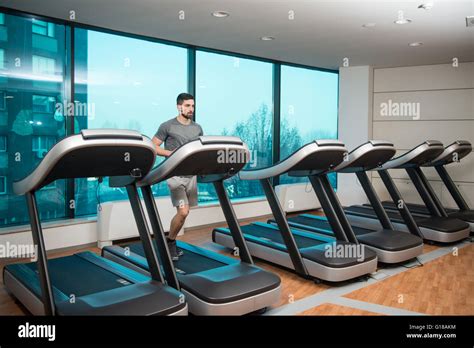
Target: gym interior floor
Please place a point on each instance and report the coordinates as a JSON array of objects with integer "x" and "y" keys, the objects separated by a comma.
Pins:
[{"x": 442, "y": 286}]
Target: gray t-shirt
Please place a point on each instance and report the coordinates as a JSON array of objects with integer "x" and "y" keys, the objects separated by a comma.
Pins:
[{"x": 174, "y": 134}]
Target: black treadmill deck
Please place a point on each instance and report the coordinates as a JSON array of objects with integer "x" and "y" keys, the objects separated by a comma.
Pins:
[
  {"x": 384, "y": 239},
  {"x": 217, "y": 282},
  {"x": 445, "y": 225},
  {"x": 311, "y": 248}
]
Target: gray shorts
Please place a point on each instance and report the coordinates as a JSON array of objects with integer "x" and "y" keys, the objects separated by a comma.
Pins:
[{"x": 183, "y": 190}]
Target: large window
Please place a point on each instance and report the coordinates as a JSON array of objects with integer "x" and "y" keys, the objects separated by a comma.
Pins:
[
  {"x": 41, "y": 72},
  {"x": 124, "y": 83},
  {"x": 308, "y": 110},
  {"x": 131, "y": 83},
  {"x": 234, "y": 97}
]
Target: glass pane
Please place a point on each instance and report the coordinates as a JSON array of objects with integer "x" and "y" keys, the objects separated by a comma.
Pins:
[
  {"x": 234, "y": 97},
  {"x": 2, "y": 58},
  {"x": 51, "y": 29},
  {"x": 43, "y": 65},
  {"x": 308, "y": 111},
  {"x": 123, "y": 83},
  {"x": 2, "y": 100},
  {"x": 3, "y": 143},
  {"x": 43, "y": 104},
  {"x": 29, "y": 70},
  {"x": 3, "y": 186}
]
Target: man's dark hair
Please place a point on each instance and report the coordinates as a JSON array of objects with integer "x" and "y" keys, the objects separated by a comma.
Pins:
[{"x": 182, "y": 97}]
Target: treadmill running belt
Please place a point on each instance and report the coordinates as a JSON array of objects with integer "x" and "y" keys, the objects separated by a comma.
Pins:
[
  {"x": 275, "y": 236},
  {"x": 324, "y": 224},
  {"x": 414, "y": 208},
  {"x": 188, "y": 263},
  {"x": 73, "y": 275},
  {"x": 393, "y": 215}
]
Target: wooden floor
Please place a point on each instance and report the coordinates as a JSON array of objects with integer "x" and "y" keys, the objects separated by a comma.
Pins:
[{"x": 444, "y": 286}]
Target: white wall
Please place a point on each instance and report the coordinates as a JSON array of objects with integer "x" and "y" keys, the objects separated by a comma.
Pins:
[
  {"x": 446, "y": 99},
  {"x": 57, "y": 235},
  {"x": 355, "y": 120},
  {"x": 115, "y": 221}
]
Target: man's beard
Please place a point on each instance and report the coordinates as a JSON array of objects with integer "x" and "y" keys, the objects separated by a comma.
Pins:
[{"x": 188, "y": 116}]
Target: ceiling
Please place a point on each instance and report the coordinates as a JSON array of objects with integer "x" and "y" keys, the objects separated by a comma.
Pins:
[{"x": 322, "y": 32}]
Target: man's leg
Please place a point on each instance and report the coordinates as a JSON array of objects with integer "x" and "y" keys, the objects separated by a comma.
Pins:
[
  {"x": 180, "y": 201},
  {"x": 178, "y": 221},
  {"x": 176, "y": 224}
]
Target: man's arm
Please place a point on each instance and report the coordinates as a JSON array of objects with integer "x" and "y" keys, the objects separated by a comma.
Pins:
[{"x": 159, "y": 150}]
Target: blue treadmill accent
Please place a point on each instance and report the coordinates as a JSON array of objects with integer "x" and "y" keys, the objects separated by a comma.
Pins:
[{"x": 75, "y": 275}]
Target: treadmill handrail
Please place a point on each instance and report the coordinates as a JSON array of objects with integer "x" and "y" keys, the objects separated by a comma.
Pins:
[
  {"x": 362, "y": 150},
  {"x": 165, "y": 169},
  {"x": 460, "y": 147},
  {"x": 286, "y": 165},
  {"x": 89, "y": 139},
  {"x": 400, "y": 161}
]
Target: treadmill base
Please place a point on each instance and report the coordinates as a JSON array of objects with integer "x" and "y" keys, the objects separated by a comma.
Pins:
[
  {"x": 315, "y": 270},
  {"x": 198, "y": 306},
  {"x": 428, "y": 234},
  {"x": 35, "y": 306},
  {"x": 386, "y": 256}
]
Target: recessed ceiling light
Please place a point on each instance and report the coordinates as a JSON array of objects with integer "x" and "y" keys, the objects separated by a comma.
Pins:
[
  {"x": 415, "y": 44},
  {"x": 426, "y": 6},
  {"x": 368, "y": 25},
  {"x": 221, "y": 14},
  {"x": 402, "y": 21},
  {"x": 267, "y": 38}
]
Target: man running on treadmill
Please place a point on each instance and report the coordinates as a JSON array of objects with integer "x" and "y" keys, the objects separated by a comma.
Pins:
[{"x": 183, "y": 189}]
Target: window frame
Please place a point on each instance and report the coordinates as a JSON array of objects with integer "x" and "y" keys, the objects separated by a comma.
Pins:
[{"x": 41, "y": 138}]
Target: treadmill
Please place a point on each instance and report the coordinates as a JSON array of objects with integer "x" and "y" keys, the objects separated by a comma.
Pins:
[
  {"x": 213, "y": 284},
  {"x": 84, "y": 283},
  {"x": 296, "y": 249},
  {"x": 435, "y": 227},
  {"x": 452, "y": 153},
  {"x": 391, "y": 246}
]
